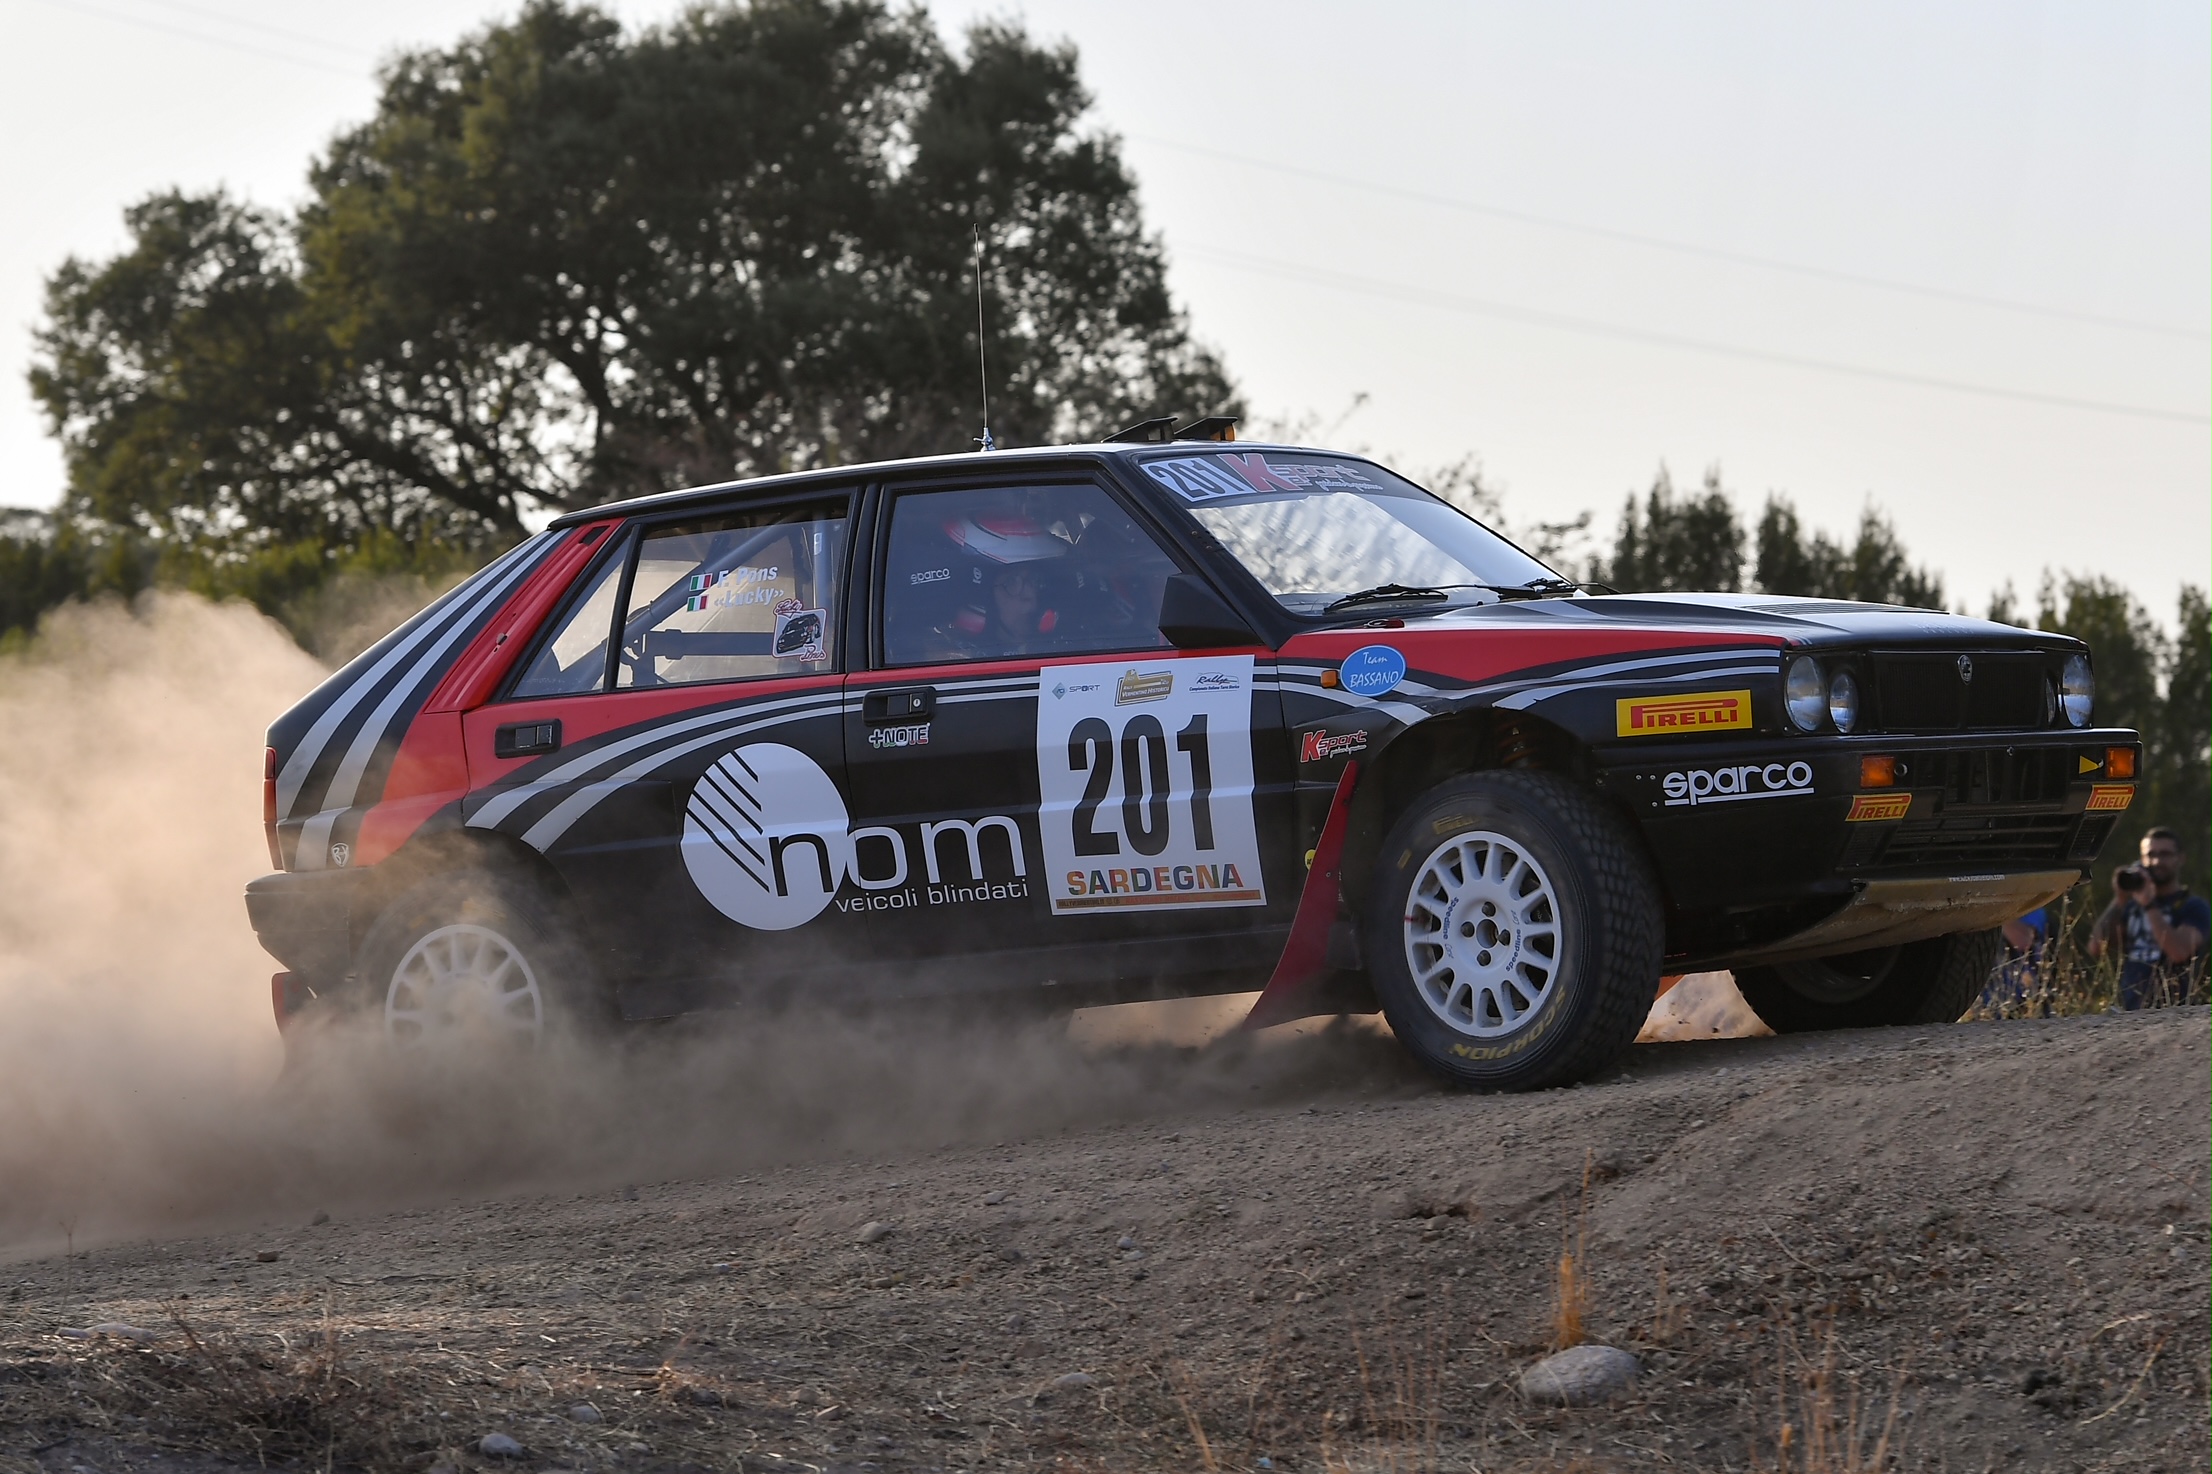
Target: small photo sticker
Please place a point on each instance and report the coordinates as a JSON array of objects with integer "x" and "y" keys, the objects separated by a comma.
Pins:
[{"x": 799, "y": 634}]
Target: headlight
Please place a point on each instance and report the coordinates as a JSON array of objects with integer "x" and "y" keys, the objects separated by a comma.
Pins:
[
  {"x": 1843, "y": 700},
  {"x": 1804, "y": 695},
  {"x": 2077, "y": 690}
]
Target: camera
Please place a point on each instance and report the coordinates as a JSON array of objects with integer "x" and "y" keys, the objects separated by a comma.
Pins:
[{"x": 2131, "y": 877}]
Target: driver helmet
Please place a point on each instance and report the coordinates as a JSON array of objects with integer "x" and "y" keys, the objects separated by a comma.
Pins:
[{"x": 990, "y": 544}]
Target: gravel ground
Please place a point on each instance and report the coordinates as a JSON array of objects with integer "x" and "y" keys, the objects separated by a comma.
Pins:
[{"x": 1986, "y": 1241}]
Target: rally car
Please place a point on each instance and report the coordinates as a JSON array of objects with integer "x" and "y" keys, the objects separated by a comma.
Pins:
[{"x": 1165, "y": 715}]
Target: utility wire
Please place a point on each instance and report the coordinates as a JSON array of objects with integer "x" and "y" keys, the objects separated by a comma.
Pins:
[
  {"x": 1685, "y": 248},
  {"x": 121, "y": 18},
  {"x": 342, "y": 48},
  {"x": 1368, "y": 286}
]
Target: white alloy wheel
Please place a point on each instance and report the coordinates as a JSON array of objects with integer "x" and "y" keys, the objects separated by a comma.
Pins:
[
  {"x": 463, "y": 980},
  {"x": 1482, "y": 934}
]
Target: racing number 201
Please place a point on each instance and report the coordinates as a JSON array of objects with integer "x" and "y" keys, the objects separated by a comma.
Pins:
[{"x": 1144, "y": 782}]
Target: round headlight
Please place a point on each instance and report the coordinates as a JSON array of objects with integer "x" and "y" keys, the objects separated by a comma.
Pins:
[
  {"x": 2077, "y": 690},
  {"x": 1843, "y": 700},
  {"x": 1804, "y": 694}
]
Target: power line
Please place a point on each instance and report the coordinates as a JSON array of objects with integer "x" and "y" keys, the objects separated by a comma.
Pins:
[
  {"x": 340, "y": 47},
  {"x": 1685, "y": 248},
  {"x": 204, "y": 39},
  {"x": 1341, "y": 281}
]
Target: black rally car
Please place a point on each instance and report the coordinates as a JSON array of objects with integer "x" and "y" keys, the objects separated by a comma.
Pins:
[{"x": 1165, "y": 716}]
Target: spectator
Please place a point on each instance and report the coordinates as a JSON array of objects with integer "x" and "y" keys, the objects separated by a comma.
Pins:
[
  {"x": 2158, "y": 924},
  {"x": 2015, "y": 985}
]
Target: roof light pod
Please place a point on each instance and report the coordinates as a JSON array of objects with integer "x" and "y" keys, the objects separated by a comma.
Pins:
[{"x": 1804, "y": 695}]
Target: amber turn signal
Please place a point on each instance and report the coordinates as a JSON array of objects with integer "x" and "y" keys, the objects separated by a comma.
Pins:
[
  {"x": 1329, "y": 679},
  {"x": 2119, "y": 762},
  {"x": 1877, "y": 772}
]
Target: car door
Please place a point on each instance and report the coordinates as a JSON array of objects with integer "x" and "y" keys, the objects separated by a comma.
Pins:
[
  {"x": 673, "y": 746},
  {"x": 1033, "y": 768}
]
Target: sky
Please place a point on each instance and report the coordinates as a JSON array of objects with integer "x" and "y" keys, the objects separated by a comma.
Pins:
[{"x": 1947, "y": 261}]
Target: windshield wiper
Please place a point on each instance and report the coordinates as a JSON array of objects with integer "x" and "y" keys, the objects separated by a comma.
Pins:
[
  {"x": 1535, "y": 588},
  {"x": 1383, "y": 591}
]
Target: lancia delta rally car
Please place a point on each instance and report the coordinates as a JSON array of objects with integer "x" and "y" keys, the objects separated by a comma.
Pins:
[{"x": 1153, "y": 717}]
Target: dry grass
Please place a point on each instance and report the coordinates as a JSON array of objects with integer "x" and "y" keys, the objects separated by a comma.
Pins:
[
  {"x": 2062, "y": 980},
  {"x": 1822, "y": 1424},
  {"x": 315, "y": 1404},
  {"x": 1571, "y": 1296}
]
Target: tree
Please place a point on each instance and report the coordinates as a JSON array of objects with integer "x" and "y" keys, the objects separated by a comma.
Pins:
[
  {"x": 1677, "y": 542},
  {"x": 1873, "y": 569},
  {"x": 2126, "y": 647},
  {"x": 563, "y": 263}
]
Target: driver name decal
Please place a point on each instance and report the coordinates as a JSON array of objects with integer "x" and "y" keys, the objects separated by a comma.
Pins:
[{"x": 1147, "y": 789}]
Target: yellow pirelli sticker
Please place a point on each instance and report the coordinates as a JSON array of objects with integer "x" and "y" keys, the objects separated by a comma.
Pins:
[
  {"x": 1878, "y": 806},
  {"x": 1698, "y": 711},
  {"x": 2109, "y": 796}
]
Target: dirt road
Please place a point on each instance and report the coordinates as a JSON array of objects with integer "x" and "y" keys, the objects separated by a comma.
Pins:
[{"x": 1990, "y": 1238}]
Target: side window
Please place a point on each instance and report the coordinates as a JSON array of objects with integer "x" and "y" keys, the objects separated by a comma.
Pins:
[
  {"x": 735, "y": 597},
  {"x": 1014, "y": 571},
  {"x": 575, "y": 659}
]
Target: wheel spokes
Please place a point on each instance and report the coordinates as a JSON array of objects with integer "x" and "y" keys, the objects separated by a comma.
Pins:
[{"x": 1482, "y": 934}]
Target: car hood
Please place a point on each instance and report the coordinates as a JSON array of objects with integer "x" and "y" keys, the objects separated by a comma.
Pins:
[{"x": 1757, "y": 618}]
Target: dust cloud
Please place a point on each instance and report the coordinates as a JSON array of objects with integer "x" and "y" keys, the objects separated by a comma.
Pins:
[
  {"x": 140, "y": 1066},
  {"x": 143, "y": 1086},
  {"x": 131, "y": 1023}
]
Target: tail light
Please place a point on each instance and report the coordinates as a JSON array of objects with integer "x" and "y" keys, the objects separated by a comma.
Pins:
[{"x": 269, "y": 806}]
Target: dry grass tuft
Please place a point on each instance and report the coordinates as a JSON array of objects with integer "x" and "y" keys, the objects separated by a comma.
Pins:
[
  {"x": 315, "y": 1404},
  {"x": 1823, "y": 1428},
  {"x": 1571, "y": 1305}
]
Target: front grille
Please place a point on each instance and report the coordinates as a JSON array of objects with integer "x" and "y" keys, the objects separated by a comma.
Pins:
[
  {"x": 1996, "y": 775},
  {"x": 1996, "y": 839},
  {"x": 1921, "y": 691}
]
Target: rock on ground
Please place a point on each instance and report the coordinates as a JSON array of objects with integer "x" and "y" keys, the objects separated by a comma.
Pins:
[{"x": 1580, "y": 1376}]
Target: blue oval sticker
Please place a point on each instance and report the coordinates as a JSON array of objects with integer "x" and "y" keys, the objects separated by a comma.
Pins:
[{"x": 1372, "y": 670}]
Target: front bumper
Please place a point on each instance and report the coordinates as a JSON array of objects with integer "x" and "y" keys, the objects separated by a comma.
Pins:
[{"x": 1771, "y": 849}]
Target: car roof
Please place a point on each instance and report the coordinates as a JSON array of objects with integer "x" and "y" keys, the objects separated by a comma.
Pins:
[{"x": 996, "y": 460}]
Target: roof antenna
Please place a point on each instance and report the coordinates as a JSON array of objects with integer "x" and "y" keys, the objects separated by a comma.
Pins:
[{"x": 982, "y": 369}]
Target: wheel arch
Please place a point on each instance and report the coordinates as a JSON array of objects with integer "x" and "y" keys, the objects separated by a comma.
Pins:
[
  {"x": 1468, "y": 739},
  {"x": 451, "y": 850}
]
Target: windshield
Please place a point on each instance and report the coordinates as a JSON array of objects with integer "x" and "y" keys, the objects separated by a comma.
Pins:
[{"x": 1314, "y": 529}]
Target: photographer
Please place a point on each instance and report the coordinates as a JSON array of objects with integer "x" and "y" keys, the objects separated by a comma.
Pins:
[{"x": 2159, "y": 924}]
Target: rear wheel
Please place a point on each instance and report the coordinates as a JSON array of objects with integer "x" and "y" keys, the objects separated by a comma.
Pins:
[
  {"x": 478, "y": 960},
  {"x": 1515, "y": 931},
  {"x": 1930, "y": 982}
]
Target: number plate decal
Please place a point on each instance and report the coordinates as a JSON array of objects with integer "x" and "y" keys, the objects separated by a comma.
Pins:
[{"x": 1145, "y": 772}]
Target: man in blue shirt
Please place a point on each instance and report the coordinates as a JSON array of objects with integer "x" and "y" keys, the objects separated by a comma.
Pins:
[{"x": 2158, "y": 924}]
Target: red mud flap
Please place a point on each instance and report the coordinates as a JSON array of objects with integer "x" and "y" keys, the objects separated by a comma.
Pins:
[{"x": 1294, "y": 990}]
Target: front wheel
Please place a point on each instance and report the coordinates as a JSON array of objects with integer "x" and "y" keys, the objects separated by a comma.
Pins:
[
  {"x": 1930, "y": 982},
  {"x": 1516, "y": 931}
]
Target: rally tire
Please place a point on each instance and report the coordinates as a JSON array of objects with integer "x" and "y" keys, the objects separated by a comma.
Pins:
[
  {"x": 479, "y": 954},
  {"x": 1537, "y": 856},
  {"x": 1930, "y": 982}
]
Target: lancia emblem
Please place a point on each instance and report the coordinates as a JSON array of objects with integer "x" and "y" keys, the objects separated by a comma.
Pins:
[{"x": 1966, "y": 669}]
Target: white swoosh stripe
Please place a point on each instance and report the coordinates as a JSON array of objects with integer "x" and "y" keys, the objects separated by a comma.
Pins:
[{"x": 310, "y": 749}]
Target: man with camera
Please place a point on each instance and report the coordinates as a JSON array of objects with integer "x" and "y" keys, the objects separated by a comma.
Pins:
[{"x": 2159, "y": 925}]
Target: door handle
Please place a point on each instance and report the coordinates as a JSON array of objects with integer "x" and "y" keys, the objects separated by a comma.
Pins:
[
  {"x": 522, "y": 739},
  {"x": 900, "y": 704}
]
